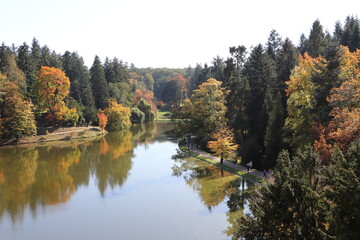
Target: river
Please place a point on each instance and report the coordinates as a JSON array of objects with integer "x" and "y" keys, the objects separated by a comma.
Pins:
[{"x": 129, "y": 185}]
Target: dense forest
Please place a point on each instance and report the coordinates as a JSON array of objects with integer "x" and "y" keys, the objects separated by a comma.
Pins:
[{"x": 295, "y": 108}]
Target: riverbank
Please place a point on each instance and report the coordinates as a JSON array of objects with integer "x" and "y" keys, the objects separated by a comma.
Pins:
[
  {"x": 57, "y": 134},
  {"x": 228, "y": 166}
]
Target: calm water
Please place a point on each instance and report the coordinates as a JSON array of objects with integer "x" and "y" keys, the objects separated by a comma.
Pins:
[{"x": 127, "y": 185}]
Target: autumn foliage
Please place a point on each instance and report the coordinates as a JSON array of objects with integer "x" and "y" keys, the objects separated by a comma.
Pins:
[
  {"x": 224, "y": 144},
  {"x": 118, "y": 116},
  {"x": 103, "y": 119},
  {"x": 18, "y": 118},
  {"x": 52, "y": 88}
]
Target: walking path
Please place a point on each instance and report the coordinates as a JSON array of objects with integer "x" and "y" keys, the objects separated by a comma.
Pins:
[{"x": 227, "y": 165}]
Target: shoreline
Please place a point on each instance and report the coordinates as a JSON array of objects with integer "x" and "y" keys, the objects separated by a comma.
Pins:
[{"x": 58, "y": 134}]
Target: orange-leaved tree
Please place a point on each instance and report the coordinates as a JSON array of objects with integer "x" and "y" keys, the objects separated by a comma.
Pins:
[
  {"x": 102, "y": 120},
  {"x": 52, "y": 88},
  {"x": 344, "y": 127}
]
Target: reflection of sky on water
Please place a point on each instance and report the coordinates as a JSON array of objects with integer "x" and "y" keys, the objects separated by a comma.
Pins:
[{"x": 122, "y": 186}]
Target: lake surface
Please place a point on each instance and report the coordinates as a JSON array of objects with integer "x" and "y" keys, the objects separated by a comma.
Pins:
[{"x": 130, "y": 185}]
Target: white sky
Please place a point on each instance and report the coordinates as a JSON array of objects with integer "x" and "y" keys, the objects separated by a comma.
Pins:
[{"x": 162, "y": 33}]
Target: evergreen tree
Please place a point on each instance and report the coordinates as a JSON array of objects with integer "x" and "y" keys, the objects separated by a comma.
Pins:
[
  {"x": 286, "y": 61},
  {"x": 36, "y": 54},
  {"x": 80, "y": 84},
  {"x": 325, "y": 78},
  {"x": 27, "y": 66},
  {"x": 273, "y": 44},
  {"x": 260, "y": 72},
  {"x": 50, "y": 59},
  {"x": 5, "y": 53},
  {"x": 197, "y": 78},
  {"x": 217, "y": 69},
  {"x": 238, "y": 94},
  {"x": 99, "y": 84},
  {"x": 273, "y": 139},
  {"x": 351, "y": 33},
  {"x": 317, "y": 41},
  {"x": 302, "y": 44},
  {"x": 343, "y": 180},
  {"x": 338, "y": 32},
  {"x": 117, "y": 78},
  {"x": 292, "y": 207}
]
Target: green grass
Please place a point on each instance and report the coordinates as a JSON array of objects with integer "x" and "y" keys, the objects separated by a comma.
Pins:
[
  {"x": 224, "y": 167},
  {"x": 162, "y": 115}
]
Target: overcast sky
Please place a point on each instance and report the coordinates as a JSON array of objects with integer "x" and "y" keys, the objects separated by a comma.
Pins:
[{"x": 162, "y": 33}]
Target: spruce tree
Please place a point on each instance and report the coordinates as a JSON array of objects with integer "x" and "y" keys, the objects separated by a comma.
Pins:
[
  {"x": 99, "y": 85},
  {"x": 260, "y": 72},
  {"x": 325, "y": 78},
  {"x": 317, "y": 41},
  {"x": 286, "y": 60},
  {"x": 80, "y": 84}
]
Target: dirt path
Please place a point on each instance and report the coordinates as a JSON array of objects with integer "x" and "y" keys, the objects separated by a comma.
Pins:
[{"x": 202, "y": 155}]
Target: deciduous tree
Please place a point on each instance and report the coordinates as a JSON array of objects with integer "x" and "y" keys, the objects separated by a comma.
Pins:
[
  {"x": 118, "y": 116},
  {"x": 17, "y": 114}
]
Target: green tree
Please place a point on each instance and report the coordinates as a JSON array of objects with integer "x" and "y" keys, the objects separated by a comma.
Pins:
[
  {"x": 286, "y": 61},
  {"x": 99, "y": 85},
  {"x": 14, "y": 74},
  {"x": 274, "y": 44},
  {"x": 146, "y": 108},
  {"x": 343, "y": 180},
  {"x": 25, "y": 63},
  {"x": 79, "y": 76},
  {"x": 326, "y": 77},
  {"x": 317, "y": 41},
  {"x": 260, "y": 72},
  {"x": 293, "y": 206},
  {"x": 50, "y": 59}
]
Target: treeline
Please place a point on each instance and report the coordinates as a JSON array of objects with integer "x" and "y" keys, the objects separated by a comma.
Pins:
[
  {"x": 296, "y": 108},
  {"x": 40, "y": 87}
]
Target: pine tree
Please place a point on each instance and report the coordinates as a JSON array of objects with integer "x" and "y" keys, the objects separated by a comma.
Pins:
[{"x": 99, "y": 85}]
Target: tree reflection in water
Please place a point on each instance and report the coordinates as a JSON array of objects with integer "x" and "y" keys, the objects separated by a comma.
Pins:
[
  {"x": 38, "y": 175},
  {"x": 214, "y": 186}
]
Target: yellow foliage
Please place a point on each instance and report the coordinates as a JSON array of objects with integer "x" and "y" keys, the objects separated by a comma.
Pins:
[
  {"x": 224, "y": 146},
  {"x": 118, "y": 116}
]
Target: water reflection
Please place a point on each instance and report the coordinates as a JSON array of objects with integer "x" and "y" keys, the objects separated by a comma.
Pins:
[
  {"x": 49, "y": 174},
  {"x": 214, "y": 186}
]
